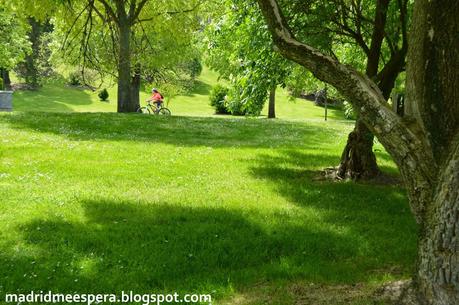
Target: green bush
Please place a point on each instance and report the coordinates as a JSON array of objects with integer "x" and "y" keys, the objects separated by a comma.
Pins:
[
  {"x": 1, "y": 83},
  {"x": 236, "y": 107},
  {"x": 75, "y": 79},
  {"x": 349, "y": 112},
  {"x": 236, "y": 104},
  {"x": 103, "y": 95},
  {"x": 217, "y": 99}
]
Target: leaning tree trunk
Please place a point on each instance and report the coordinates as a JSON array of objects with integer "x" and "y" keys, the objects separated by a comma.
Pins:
[
  {"x": 272, "y": 103},
  {"x": 125, "y": 102}
]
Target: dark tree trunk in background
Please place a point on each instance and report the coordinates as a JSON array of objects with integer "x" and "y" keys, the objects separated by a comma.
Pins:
[
  {"x": 5, "y": 74},
  {"x": 31, "y": 73},
  {"x": 135, "y": 88},
  {"x": 123, "y": 15},
  {"x": 358, "y": 160},
  {"x": 272, "y": 103},
  {"x": 125, "y": 103}
]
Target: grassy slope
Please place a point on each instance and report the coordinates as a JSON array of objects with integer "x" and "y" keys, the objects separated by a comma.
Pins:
[
  {"x": 59, "y": 98},
  {"x": 105, "y": 202}
]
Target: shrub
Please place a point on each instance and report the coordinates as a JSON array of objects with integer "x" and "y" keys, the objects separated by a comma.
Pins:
[
  {"x": 1, "y": 83},
  {"x": 218, "y": 99},
  {"x": 236, "y": 107},
  {"x": 103, "y": 95},
  {"x": 236, "y": 104},
  {"x": 75, "y": 79},
  {"x": 349, "y": 112}
]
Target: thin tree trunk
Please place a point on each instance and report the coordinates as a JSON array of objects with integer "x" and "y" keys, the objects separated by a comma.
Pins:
[
  {"x": 272, "y": 103},
  {"x": 31, "y": 60},
  {"x": 5, "y": 74},
  {"x": 125, "y": 103}
]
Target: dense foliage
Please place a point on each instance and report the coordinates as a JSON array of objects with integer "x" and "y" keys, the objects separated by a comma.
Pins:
[
  {"x": 218, "y": 99},
  {"x": 14, "y": 44},
  {"x": 240, "y": 50}
]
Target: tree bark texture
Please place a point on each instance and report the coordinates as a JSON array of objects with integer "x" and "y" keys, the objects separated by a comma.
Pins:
[
  {"x": 424, "y": 144},
  {"x": 125, "y": 103},
  {"x": 358, "y": 160},
  {"x": 433, "y": 98}
]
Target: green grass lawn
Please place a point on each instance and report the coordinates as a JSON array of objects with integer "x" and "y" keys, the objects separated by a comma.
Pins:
[
  {"x": 103, "y": 202},
  {"x": 109, "y": 202}
]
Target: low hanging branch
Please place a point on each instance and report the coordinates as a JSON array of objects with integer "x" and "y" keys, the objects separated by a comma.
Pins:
[{"x": 409, "y": 150}]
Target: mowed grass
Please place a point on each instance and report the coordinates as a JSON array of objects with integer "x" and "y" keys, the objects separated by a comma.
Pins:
[
  {"x": 104, "y": 202},
  {"x": 62, "y": 98}
]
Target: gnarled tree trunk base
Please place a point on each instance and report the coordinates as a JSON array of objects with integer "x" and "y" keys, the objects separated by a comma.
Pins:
[{"x": 358, "y": 161}]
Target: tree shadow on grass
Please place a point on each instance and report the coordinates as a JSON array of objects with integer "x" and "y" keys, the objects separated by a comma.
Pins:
[
  {"x": 378, "y": 217},
  {"x": 349, "y": 234},
  {"x": 180, "y": 131},
  {"x": 150, "y": 248}
]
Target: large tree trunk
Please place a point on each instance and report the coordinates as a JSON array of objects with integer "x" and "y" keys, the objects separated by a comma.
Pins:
[
  {"x": 433, "y": 95},
  {"x": 437, "y": 281},
  {"x": 125, "y": 102},
  {"x": 272, "y": 103}
]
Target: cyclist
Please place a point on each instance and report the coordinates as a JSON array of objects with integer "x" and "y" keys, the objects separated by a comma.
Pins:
[{"x": 156, "y": 98}]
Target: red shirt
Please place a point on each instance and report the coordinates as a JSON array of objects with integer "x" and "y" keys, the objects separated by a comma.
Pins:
[{"x": 156, "y": 97}]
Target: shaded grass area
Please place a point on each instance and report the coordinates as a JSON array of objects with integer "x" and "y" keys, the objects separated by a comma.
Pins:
[{"x": 107, "y": 202}]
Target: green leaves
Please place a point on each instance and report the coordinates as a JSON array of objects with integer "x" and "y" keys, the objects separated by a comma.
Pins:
[
  {"x": 240, "y": 49},
  {"x": 14, "y": 44}
]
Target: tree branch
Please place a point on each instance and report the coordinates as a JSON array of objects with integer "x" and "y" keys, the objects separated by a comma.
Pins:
[
  {"x": 109, "y": 10},
  {"x": 139, "y": 9},
  {"x": 409, "y": 149}
]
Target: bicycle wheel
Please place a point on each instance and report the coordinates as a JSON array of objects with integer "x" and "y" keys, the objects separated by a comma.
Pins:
[
  {"x": 144, "y": 110},
  {"x": 164, "y": 111}
]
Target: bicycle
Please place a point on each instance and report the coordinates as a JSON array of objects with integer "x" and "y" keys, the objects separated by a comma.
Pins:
[{"x": 153, "y": 108}]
